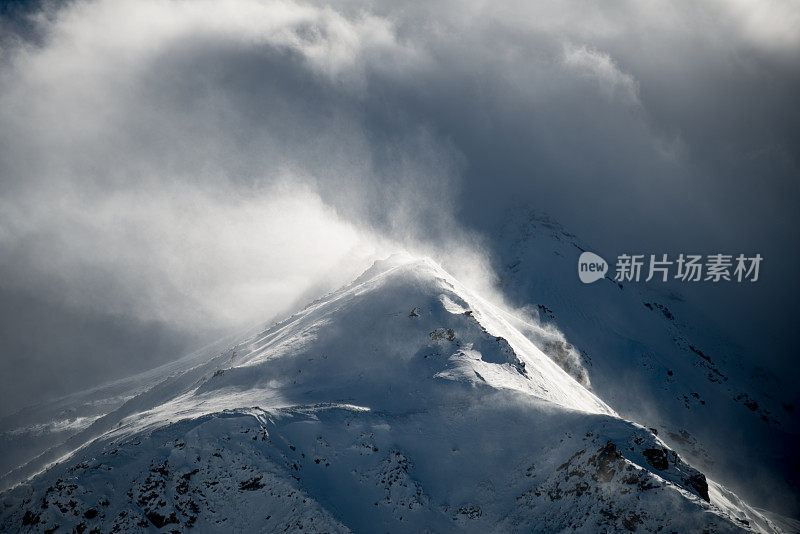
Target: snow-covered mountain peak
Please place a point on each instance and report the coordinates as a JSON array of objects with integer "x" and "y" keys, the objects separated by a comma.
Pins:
[
  {"x": 403, "y": 336},
  {"x": 403, "y": 401}
]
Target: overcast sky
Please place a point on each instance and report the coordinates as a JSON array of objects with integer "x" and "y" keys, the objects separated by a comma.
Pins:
[{"x": 172, "y": 171}]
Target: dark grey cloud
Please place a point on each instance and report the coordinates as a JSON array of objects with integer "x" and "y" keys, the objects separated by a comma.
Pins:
[
  {"x": 51, "y": 349},
  {"x": 172, "y": 170}
]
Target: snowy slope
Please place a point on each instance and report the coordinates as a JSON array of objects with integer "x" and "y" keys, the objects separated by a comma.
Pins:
[
  {"x": 33, "y": 430},
  {"x": 648, "y": 353},
  {"x": 402, "y": 402}
]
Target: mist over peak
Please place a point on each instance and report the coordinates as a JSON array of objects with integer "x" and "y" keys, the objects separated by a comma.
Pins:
[{"x": 176, "y": 172}]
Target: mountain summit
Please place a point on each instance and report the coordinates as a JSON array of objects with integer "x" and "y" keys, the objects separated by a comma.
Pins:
[{"x": 401, "y": 402}]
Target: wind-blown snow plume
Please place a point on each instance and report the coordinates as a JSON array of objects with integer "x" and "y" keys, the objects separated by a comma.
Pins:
[{"x": 174, "y": 169}]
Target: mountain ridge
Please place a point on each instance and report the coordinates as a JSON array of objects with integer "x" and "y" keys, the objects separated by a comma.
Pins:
[{"x": 403, "y": 393}]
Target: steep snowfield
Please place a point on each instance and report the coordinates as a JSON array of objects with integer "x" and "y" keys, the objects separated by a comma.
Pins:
[
  {"x": 654, "y": 358},
  {"x": 402, "y": 402}
]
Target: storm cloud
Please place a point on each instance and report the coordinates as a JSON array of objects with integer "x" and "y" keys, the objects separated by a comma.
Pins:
[{"x": 171, "y": 171}]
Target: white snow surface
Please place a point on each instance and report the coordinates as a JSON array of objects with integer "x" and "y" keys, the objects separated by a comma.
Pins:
[{"x": 402, "y": 402}]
